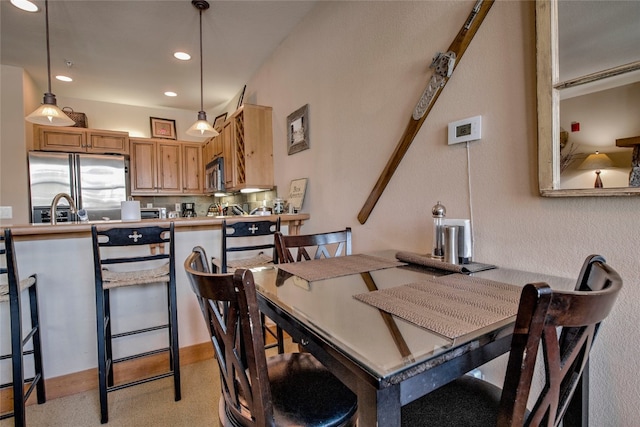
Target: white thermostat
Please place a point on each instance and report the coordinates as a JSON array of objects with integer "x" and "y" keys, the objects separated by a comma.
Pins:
[{"x": 465, "y": 130}]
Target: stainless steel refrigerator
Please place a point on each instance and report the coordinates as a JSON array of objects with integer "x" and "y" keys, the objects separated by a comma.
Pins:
[{"x": 96, "y": 183}]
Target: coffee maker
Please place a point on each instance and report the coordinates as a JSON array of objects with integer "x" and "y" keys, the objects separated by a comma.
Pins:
[{"x": 188, "y": 210}]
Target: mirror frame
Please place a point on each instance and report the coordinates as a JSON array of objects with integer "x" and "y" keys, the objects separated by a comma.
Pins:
[{"x": 548, "y": 95}]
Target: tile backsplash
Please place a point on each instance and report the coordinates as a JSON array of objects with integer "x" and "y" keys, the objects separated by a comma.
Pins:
[{"x": 247, "y": 201}]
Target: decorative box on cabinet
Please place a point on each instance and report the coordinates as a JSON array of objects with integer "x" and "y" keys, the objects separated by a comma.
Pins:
[
  {"x": 165, "y": 167},
  {"x": 247, "y": 139},
  {"x": 80, "y": 140}
]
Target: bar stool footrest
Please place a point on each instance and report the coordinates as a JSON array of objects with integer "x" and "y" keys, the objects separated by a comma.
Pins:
[
  {"x": 8, "y": 356},
  {"x": 141, "y": 355},
  {"x": 138, "y": 382},
  {"x": 140, "y": 331}
]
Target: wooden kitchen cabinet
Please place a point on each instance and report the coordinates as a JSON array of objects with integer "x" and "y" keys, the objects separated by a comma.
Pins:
[
  {"x": 227, "y": 154},
  {"x": 143, "y": 166},
  {"x": 247, "y": 139},
  {"x": 192, "y": 168},
  {"x": 169, "y": 159},
  {"x": 217, "y": 146},
  {"x": 165, "y": 167},
  {"x": 207, "y": 151},
  {"x": 212, "y": 149},
  {"x": 80, "y": 140},
  {"x": 108, "y": 142}
]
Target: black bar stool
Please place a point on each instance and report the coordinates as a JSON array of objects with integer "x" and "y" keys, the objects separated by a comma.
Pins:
[
  {"x": 251, "y": 238},
  {"x": 10, "y": 291},
  {"x": 133, "y": 256}
]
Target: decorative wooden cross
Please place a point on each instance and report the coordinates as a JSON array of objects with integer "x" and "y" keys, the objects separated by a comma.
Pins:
[
  {"x": 253, "y": 229},
  {"x": 135, "y": 236}
]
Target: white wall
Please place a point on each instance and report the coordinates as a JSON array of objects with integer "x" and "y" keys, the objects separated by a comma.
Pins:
[
  {"x": 361, "y": 67},
  {"x": 17, "y": 97},
  {"x": 132, "y": 119}
]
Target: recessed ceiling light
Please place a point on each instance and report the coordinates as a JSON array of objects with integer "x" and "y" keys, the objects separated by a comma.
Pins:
[
  {"x": 64, "y": 78},
  {"x": 25, "y": 5},
  {"x": 171, "y": 94},
  {"x": 183, "y": 56}
]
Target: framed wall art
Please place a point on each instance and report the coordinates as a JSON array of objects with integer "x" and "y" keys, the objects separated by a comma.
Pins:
[
  {"x": 163, "y": 128},
  {"x": 298, "y": 130},
  {"x": 219, "y": 120}
]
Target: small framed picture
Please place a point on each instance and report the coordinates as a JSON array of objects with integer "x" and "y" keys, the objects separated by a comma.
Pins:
[
  {"x": 163, "y": 128},
  {"x": 298, "y": 130},
  {"x": 219, "y": 120}
]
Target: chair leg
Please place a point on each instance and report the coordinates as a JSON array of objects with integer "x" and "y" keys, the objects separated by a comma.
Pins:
[
  {"x": 17, "y": 361},
  {"x": 280, "y": 338},
  {"x": 174, "y": 358},
  {"x": 108, "y": 338},
  {"x": 37, "y": 344},
  {"x": 102, "y": 355}
]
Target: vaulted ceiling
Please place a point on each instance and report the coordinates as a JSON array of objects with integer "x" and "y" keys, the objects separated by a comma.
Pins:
[{"x": 121, "y": 51}]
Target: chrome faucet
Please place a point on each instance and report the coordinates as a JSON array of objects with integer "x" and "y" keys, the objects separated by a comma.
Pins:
[{"x": 54, "y": 206}]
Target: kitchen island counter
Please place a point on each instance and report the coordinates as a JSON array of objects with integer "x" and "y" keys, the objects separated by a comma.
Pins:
[{"x": 79, "y": 229}]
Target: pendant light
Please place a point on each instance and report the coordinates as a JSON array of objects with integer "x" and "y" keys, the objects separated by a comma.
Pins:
[
  {"x": 49, "y": 113},
  {"x": 201, "y": 127}
]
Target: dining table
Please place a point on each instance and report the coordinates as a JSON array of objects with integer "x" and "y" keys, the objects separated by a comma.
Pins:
[{"x": 394, "y": 331}]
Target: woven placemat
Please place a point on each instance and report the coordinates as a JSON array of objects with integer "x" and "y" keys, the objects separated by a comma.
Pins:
[
  {"x": 451, "y": 306},
  {"x": 327, "y": 268}
]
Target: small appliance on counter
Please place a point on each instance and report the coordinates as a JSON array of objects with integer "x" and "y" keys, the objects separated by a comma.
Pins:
[
  {"x": 189, "y": 210},
  {"x": 216, "y": 209},
  {"x": 262, "y": 210},
  {"x": 153, "y": 213}
]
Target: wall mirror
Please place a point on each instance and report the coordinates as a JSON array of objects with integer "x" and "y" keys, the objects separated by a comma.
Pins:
[{"x": 588, "y": 71}]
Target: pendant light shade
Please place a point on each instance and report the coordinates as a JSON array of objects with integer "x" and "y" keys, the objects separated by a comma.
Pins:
[
  {"x": 201, "y": 127},
  {"x": 49, "y": 113}
]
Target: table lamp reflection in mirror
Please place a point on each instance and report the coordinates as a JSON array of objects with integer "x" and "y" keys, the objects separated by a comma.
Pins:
[{"x": 596, "y": 161}]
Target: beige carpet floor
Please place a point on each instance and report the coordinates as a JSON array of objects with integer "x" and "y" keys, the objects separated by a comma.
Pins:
[{"x": 150, "y": 404}]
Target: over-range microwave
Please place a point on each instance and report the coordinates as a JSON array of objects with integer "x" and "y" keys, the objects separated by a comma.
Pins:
[{"x": 214, "y": 176}]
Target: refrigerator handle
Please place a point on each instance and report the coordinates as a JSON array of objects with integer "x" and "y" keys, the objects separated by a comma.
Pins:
[{"x": 76, "y": 191}]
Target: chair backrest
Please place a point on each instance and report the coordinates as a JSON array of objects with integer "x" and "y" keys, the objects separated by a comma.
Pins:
[
  {"x": 7, "y": 258},
  {"x": 230, "y": 308},
  {"x": 10, "y": 281},
  {"x": 149, "y": 251},
  {"x": 327, "y": 245},
  {"x": 543, "y": 313},
  {"x": 250, "y": 237}
]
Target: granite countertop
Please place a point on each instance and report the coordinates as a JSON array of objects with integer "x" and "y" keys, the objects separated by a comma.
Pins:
[{"x": 75, "y": 228}]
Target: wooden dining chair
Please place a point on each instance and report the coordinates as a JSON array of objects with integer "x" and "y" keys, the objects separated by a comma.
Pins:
[
  {"x": 248, "y": 244},
  {"x": 327, "y": 245},
  {"x": 291, "y": 389},
  {"x": 564, "y": 325}
]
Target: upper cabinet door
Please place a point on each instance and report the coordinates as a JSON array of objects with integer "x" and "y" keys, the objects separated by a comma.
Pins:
[
  {"x": 107, "y": 142},
  {"x": 169, "y": 167},
  {"x": 67, "y": 139},
  {"x": 192, "y": 168},
  {"x": 143, "y": 166},
  {"x": 80, "y": 140}
]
